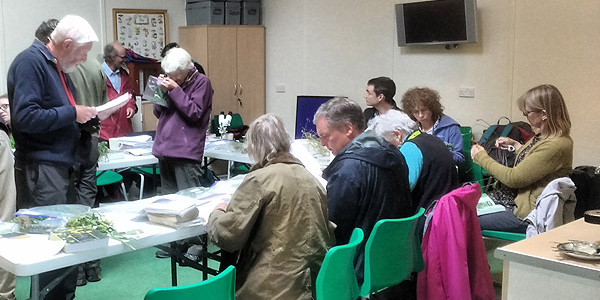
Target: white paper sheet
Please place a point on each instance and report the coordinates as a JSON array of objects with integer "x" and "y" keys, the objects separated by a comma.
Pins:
[{"x": 109, "y": 108}]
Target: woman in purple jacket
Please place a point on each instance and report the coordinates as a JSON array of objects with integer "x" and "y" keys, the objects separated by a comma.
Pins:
[{"x": 182, "y": 125}]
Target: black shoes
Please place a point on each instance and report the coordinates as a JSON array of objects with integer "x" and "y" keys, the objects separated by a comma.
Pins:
[
  {"x": 89, "y": 271},
  {"x": 162, "y": 254},
  {"x": 81, "y": 280}
]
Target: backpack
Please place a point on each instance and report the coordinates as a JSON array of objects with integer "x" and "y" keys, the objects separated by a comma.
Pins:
[{"x": 518, "y": 131}]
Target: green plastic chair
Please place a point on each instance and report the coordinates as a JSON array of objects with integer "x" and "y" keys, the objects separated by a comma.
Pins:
[
  {"x": 336, "y": 279},
  {"x": 509, "y": 236},
  {"x": 392, "y": 253},
  {"x": 220, "y": 287},
  {"x": 109, "y": 177},
  {"x": 143, "y": 173},
  {"x": 469, "y": 171}
]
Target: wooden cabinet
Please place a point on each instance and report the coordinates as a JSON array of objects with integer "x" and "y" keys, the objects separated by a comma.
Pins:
[
  {"x": 139, "y": 72},
  {"x": 138, "y": 75},
  {"x": 234, "y": 60}
]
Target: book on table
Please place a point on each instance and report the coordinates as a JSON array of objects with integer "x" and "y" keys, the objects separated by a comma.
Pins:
[
  {"x": 487, "y": 206},
  {"x": 172, "y": 210},
  {"x": 174, "y": 220},
  {"x": 80, "y": 238}
]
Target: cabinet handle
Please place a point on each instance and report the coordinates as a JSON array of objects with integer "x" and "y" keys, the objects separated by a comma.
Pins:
[
  {"x": 240, "y": 102},
  {"x": 241, "y": 89},
  {"x": 235, "y": 89}
]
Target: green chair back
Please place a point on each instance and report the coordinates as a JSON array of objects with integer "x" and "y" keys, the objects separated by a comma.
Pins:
[
  {"x": 107, "y": 177},
  {"x": 220, "y": 287},
  {"x": 509, "y": 236},
  {"x": 468, "y": 171},
  {"x": 336, "y": 279},
  {"x": 392, "y": 253},
  {"x": 236, "y": 122},
  {"x": 146, "y": 171}
]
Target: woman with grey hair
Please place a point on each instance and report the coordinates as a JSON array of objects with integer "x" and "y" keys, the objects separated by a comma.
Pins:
[
  {"x": 181, "y": 129},
  {"x": 431, "y": 169},
  {"x": 277, "y": 218}
]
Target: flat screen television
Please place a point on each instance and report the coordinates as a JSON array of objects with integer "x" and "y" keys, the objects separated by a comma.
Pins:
[
  {"x": 436, "y": 22},
  {"x": 306, "y": 107}
]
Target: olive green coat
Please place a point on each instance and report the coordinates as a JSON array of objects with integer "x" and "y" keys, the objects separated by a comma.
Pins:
[
  {"x": 547, "y": 160},
  {"x": 278, "y": 219}
]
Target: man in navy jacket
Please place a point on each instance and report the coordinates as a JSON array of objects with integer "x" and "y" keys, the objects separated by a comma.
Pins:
[
  {"x": 45, "y": 121},
  {"x": 367, "y": 180}
]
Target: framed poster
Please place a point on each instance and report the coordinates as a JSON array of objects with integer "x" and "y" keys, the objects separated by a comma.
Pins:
[{"x": 143, "y": 31}]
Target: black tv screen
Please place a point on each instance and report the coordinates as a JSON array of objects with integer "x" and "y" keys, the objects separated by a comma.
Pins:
[
  {"x": 306, "y": 107},
  {"x": 436, "y": 22}
]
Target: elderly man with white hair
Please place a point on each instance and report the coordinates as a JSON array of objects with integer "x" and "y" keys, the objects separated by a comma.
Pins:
[
  {"x": 431, "y": 169},
  {"x": 181, "y": 130},
  {"x": 46, "y": 123}
]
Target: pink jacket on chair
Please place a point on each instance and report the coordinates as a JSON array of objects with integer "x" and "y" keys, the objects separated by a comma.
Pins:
[{"x": 456, "y": 265}]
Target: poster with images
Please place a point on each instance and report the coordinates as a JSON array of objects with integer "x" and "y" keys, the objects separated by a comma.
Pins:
[{"x": 143, "y": 31}]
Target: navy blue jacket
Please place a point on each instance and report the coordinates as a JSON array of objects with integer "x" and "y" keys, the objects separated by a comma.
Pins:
[
  {"x": 43, "y": 120},
  {"x": 366, "y": 182}
]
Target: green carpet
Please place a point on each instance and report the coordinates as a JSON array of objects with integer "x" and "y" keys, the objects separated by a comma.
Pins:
[{"x": 127, "y": 276}]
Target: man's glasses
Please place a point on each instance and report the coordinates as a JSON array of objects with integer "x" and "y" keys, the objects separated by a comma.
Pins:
[{"x": 4, "y": 107}]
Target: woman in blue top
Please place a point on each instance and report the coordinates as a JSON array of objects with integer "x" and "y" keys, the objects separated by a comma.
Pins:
[{"x": 424, "y": 107}]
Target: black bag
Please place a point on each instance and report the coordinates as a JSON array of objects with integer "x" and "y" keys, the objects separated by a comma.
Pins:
[
  {"x": 208, "y": 177},
  {"x": 518, "y": 131},
  {"x": 587, "y": 181}
]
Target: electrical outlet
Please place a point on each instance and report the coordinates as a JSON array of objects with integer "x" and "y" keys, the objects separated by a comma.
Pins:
[
  {"x": 280, "y": 88},
  {"x": 465, "y": 92}
]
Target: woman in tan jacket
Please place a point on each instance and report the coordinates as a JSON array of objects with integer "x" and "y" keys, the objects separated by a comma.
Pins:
[
  {"x": 547, "y": 156},
  {"x": 277, "y": 219}
]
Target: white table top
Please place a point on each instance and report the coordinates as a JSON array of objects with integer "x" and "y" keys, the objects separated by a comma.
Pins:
[
  {"x": 127, "y": 161},
  {"x": 33, "y": 254},
  {"x": 540, "y": 251},
  {"x": 227, "y": 150}
]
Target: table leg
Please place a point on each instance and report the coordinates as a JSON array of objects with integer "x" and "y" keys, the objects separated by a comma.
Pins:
[
  {"x": 229, "y": 166},
  {"x": 34, "y": 293},
  {"x": 173, "y": 265},
  {"x": 204, "y": 241}
]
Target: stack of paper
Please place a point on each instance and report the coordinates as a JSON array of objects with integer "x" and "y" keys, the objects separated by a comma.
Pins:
[{"x": 172, "y": 210}]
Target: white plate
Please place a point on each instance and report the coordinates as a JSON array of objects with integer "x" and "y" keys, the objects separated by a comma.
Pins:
[
  {"x": 582, "y": 255},
  {"x": 580, "y": 249}
]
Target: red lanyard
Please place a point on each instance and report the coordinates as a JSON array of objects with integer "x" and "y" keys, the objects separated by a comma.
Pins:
[{"x": 62, "y": 79}]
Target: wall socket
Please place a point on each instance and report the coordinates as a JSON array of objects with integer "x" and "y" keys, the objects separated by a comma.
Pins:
[
  {"x": 280, "y": 88},
  {"x": 466, "y": 92}
]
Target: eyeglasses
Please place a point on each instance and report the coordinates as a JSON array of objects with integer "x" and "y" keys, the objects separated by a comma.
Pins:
[
  {"x": 527, "y": 112},
  {"x": 4, "y": 107}
]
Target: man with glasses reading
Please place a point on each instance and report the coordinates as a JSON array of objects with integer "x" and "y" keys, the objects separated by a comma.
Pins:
[{"x": 117, "y": 84}]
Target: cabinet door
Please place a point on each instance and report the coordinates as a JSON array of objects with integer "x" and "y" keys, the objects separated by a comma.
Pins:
[
  {"x": 221, "y": 68},
  {"x": 250, "y": 72}
]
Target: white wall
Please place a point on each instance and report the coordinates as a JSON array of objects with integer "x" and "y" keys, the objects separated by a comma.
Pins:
[
  {"x": 20, "y": 18},
  {"x": 334, "y": 47}
]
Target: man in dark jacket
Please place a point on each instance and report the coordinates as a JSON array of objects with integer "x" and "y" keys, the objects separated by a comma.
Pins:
[
  {"x": 368, "y": 178},
  {"x": 46, "y": 120}
]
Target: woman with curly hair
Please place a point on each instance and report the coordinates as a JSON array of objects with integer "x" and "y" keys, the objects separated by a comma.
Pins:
[{"x": 424, "y": 107}]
